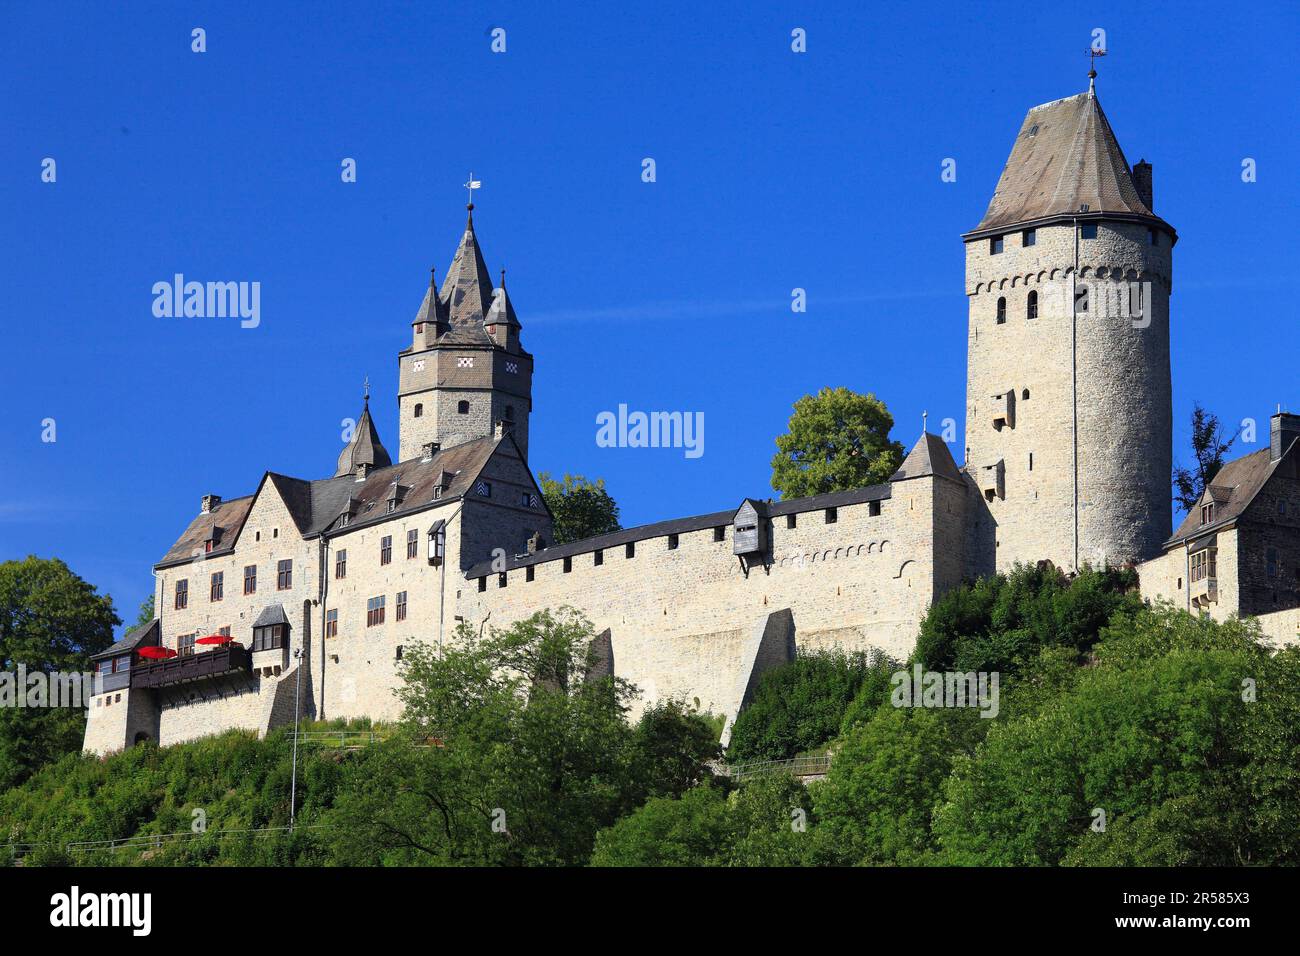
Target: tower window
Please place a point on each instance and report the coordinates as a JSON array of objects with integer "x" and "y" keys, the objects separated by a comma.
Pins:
[
  {"x": 419, "y": 409},
  {"x": 1153, "y": 237},
  {"x": 672, "y": 542},
  {"x": 832, "y": 515},
  {"x": 462, "y": 408},
  {"x": 1002, "y": 310},
  {"x": 1031, "y": 307},
  {"x": 720, "y": 533},
  {"x": 791, "y": 521},
  {"x": 995, "y": 245},
  {"x": 568, "y": 565},
  {"x": 1031, "y": 461},
  {"x": 482, "y": 584},
  {"x": 598, "y": 558},
  {"x": 529, "y": 573},
  {"x": 629, "y": 550},
  {"x": 1029, "y": 238},
  {"x": 873, "y": 509},
  {"x": 1088, "y": 230},
  {"x": 1025, "y": 395}
]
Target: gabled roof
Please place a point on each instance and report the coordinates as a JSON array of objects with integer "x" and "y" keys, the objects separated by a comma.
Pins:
[
  {"x": 1232, "y": 491},
  {"x": 929, "y": 456},
  {"x": 316, "y": 505},
  {"x": 1065, "y": 157},
  {"x": 229, "y": 516},
  {"x": 364, "y": 448},
  {"x": 142, "y": 635}
]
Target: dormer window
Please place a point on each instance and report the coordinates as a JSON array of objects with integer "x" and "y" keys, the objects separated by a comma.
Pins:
[{"x": 1207, "y": 512}]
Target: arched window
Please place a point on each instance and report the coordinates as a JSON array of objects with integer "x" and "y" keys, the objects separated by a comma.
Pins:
[
  {"x": 462, "y": 407},
  {"x": 1031, "y": 309},
  {"x": 1025, "y": 395},
  {"x": 419, "y": 409},
  {"x": 1002, "y": 310}
]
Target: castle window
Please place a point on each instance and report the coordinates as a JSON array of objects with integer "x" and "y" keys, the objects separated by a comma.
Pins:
[
  {"x": 1207, "y": 513},
  {"x": 568, "y": 565},
  {"x": 419, "y": 409},
  {"x": 1002, "y": 310},
  {"x": 412, "y": 543},
  {"x": 332, "y": 623},
  {"x": 873, "y": 509},
  {"x": 1088, "y": 230},
  {"x": 375, "y": 611},
  {"x": 207, "y": 545},
  {"x": 1031, "y": 306},
  {"x": 419, "y": 328},
  {"x": 341, "y": 563},
  {"x": 1029, "y": 238},
  {"x": 832, "y": 515},
  {"x": 1025, "y": 395},
  {"x": 1153, "y": 237},
  {"x": 482, "y": 584},
  {"x": 720, "y": 533},
  {"x": 792, "y": 521},
  {"x": 185, "y": 645},
  {"x": 529, "y": 573},
  {"x": 386, "y": 549},
  {"x": 398, "y": 654},
  {"x": 218, "y": 586},
  {"x": 182, "y": 594},
  {"x": 1031, "y": 461},
  {"x": 995, "y": 245},
  {"x": 501, "y": 579},
  {"x": 672, "y": 542},
  {"x": 1272, "y": 562},
  {"x": 598, "y": 558},
  {"x": 1281, "y": 507},
  {"x": 401, "y": 604},
  {"x": 629, "y": 550},
  {"x": 462, "y": 407},
  {"x": 284, "y": 575},
  {"x": 250, "y": 579},
  {"x": 1204, "y": 565}
]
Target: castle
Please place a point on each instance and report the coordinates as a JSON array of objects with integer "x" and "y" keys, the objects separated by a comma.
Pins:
[{"x": 315, "y": 587}]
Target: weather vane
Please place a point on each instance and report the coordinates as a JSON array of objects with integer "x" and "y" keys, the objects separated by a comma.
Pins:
[
  {"x": 472, "y": 185},
  {"x": 1092, "y": 67},
  {"x": 366, "y": 385}
]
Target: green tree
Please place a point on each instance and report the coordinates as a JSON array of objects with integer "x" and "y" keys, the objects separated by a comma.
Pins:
[
  {"x": 146, "y": 614},
  {"x": 837, "y": 440},
  {"x": 800, "y": 705},
  {"x": 1209, "y": 448},
  {"x": 52, "y": 621},
  {"x": 580, "y": 508},
  {"x": 524, "y": 758}
]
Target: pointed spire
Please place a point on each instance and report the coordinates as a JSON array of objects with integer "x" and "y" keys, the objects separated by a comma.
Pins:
[
  {"x": 467, "y": 289},
  {"x": 365, "y": 447}
]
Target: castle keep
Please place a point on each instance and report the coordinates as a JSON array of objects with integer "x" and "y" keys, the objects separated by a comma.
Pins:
[{"x": 313, "y": 588}]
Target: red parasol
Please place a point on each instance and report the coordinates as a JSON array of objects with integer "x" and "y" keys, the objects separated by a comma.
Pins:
[
  {"x": 215, "y": 639},
  {"x": 157, "y": 653}
]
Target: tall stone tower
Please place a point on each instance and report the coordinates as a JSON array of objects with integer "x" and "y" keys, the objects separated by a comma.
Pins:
[
  {"x": 1068, "y": 401},
  {"x": 465, "y": 370}
]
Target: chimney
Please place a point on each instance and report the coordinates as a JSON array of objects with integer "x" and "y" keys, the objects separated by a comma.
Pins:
[
  {"x": 535, "y": 542},
  {"x": 1142, "y": 180},
  {"x": 209, "y": 503},
  {"x": 1285, "y": 430},
  {"x": 429, "y": 449},
  {"x": 362, "y": 470}
]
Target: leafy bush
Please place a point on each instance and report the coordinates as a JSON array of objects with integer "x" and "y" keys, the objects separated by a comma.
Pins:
[{"x": 800, "y": 705}]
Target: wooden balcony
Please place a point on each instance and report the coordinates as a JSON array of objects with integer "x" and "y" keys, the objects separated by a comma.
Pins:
[{"x": 219, "y": 662}]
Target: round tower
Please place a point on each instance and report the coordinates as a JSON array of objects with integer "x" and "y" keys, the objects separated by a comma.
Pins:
[{"x": 1068, "y": 417}]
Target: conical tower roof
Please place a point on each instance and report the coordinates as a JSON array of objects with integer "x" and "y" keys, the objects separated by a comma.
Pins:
[
  {"x": 365, "y": 447},
  {"x": 1065, "y": 161},
  {"x": 467, "y": 290}
]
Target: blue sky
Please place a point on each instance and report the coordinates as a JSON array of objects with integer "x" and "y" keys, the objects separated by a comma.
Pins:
[{"x": 774, "y": 171}]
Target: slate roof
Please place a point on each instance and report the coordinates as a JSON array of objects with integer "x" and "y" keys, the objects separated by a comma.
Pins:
[
  {"x": 228, "y": 517},
  {"x": 143, "y": 635},
  {"x": 467, "y": 289},
  {"x": 929, "y": 456},
  {"x": 1233, "y": 489},
  {"x": 271, "y": 614},
  {"x": 765, "y": 509},
  {"x": 1065, "y": 156},
  {"x": 317, "y": 505},
  {"x": 364, "y": 448}
]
